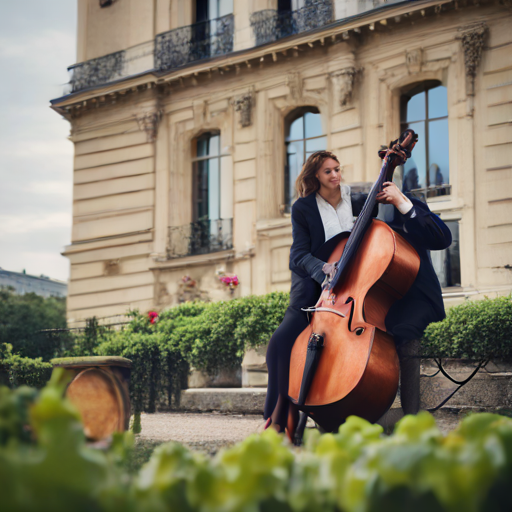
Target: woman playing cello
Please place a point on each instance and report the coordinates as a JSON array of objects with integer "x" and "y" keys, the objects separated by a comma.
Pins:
[{"x": 325, "y": 208}]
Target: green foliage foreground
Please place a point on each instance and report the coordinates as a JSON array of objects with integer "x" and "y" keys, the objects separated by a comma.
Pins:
[{"x": 45, "y": 464}]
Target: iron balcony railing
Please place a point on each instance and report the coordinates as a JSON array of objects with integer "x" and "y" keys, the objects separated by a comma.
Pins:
[
  {"x": 199, "y": 41},
  {"x": 167, "y": 51},
  {"x": 201, "y": 237},
  {"x": 113, "y": 66},
  {"x": 270, "y": 24}
]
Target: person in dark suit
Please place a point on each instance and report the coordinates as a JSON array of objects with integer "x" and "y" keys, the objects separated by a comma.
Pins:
[{"x": 325, "y": 208}]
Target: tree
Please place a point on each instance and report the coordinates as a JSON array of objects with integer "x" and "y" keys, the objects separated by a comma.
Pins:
[{"x": 22, "y": 317}]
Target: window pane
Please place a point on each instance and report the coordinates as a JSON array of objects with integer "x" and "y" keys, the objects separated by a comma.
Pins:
[
  {"x": 295, "y": 161},
  {"x": 313, "y": 145},
  {"x": 446, "y": 263},
  {"x": 313, "y": 124},
  {"x": 213, "y": 189},
  {"x": 439, "y": 173},
  {"x": 214, "y": 145},
  {"x": 296, "y": 129},
  {"x": 416, "y": 108},
  {"x": 202, "y": 146},
  {"x": 225, "y": 7},
  {"x": 437, "y": 102},
  {"x": 202, "y": 190},
  {"x": 415, "y": 169}
]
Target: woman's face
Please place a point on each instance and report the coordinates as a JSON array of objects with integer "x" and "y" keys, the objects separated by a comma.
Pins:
[{"x": 329, "y": 174}]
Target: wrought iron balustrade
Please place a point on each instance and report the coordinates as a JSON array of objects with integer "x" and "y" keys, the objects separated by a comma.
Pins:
[
  {"x": 201, "y": 237},
  {"x": 113, "y": 66},
  {"x": 97, "y": 71},
  {"x": 199, "y": 41},
  {"x": 270, "y": 25}
]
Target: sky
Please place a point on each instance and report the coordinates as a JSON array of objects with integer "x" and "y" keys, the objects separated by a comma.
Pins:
[{"x": 37, "y": 44}]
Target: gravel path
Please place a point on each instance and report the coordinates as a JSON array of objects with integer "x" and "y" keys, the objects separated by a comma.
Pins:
[
  {"x": 203, "y": 431},
  {"x": 209, "y": 432}
]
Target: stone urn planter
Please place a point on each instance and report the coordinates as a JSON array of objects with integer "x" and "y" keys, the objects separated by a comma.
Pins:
[{"x": 99, "y": 389}]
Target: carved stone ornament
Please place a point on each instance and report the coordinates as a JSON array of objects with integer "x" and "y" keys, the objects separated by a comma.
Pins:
[
  {"x": 472, "y": 38},
  {"x": 414, "y": 60},
  {"x": 343, "y": 82},
  {"x": 149, "y": 123},
  {"x": 295, "y": 85},
  {"x": 244, "y": 104}
]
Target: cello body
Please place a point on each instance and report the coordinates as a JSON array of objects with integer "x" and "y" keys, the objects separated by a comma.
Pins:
[{"x": 358, "y": 371}]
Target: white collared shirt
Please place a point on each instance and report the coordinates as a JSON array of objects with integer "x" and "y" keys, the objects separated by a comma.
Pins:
[{"x": 339, "y": 219}]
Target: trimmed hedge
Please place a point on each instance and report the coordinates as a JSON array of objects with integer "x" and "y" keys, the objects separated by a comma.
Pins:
[
  {"x": 16, "y": 370},
  {"x": 208, "y": 336},
  {"x": 356, "y": 470},
  {"x": 480, "y": 329}
]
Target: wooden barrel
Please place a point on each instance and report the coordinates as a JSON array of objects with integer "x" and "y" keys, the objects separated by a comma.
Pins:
[{"x": 100, "y": 391}]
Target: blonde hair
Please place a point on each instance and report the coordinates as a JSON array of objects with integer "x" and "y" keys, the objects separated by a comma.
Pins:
[{"x": 307, "y": 182}]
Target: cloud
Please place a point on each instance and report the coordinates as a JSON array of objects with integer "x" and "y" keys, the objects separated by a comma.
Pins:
[
  {"x": 37, "y": 44},
  {"x": 30, "y": 223},
  {"x": 49, "y": 188}
]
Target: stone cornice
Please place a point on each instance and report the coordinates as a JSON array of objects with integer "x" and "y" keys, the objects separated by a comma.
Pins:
[{"x": 338, "y": 31}]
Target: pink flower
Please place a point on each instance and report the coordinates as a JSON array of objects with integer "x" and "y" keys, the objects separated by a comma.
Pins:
[
  {"x": 152, "y": 315},
  {"x": 230, "y": 281}
]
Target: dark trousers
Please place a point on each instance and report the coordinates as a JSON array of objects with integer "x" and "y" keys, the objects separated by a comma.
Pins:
[
  {"x": 408, "y": 355},
  {"x": 278, "y": 362}
]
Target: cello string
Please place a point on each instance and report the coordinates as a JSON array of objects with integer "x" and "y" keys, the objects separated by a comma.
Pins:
[{"x": 362, "y": 223}]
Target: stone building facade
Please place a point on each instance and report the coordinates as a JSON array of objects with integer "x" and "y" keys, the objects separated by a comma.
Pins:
[{"x": 191, "y": 118}]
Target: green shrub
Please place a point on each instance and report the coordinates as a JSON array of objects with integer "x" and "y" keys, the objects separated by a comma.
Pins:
[
  {"x": 355, "y": 470},
  {"x": 207, "y": 336},
  {"x": 215, "y": 335},
  {"x": 157, "y": 367},
  {"x": 474, "y": 330},
  {"x": 23, "y": 317},
  {"x": 23, "y": 371}
]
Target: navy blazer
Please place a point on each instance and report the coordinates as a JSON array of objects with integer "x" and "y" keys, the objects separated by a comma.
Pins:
[{"x": 425, "y": 231}]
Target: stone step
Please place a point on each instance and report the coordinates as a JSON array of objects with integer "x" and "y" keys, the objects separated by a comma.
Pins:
[
  {"x": 224, "y": 400},
  {"x": 484, "y": 394}
]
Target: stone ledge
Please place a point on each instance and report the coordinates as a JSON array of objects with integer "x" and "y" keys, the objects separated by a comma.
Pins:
[{"x": 224, "y": 400}]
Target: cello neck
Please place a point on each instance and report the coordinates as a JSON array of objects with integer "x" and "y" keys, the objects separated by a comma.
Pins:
[{"x": 403, "y": 147}]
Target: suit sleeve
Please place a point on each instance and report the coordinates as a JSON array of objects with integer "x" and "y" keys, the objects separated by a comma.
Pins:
[
  {"x": 358, "y": 199},
  {"x": 300, "y": 252},
  {"x": 425, "y": 228}
]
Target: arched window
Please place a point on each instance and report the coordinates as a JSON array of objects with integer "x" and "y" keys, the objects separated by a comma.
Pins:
[
  {"x": 424, "y": 108},
  {"x": 304, "y": 136}
]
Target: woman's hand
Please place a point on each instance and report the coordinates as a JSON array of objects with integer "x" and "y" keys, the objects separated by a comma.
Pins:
[
  {"x": 391, "y": 194},
  {"x": 329, "y": 269}
]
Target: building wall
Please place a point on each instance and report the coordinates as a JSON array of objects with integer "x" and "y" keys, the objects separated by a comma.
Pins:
[{"x": 133, "y": 169}]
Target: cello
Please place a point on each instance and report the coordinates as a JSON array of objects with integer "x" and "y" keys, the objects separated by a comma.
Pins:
[{"x": 345, "y": 363}]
